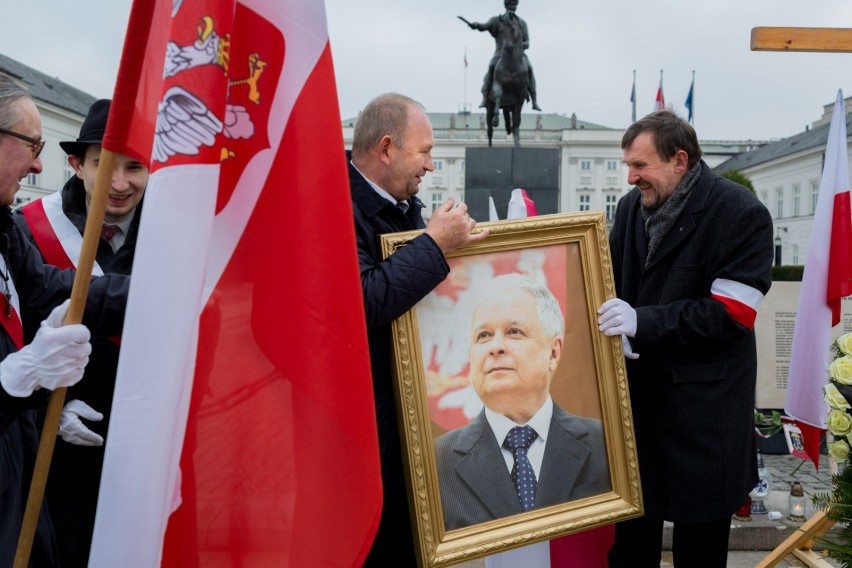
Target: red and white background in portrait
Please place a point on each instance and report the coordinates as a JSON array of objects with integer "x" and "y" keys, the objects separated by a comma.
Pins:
[
  {"x": 243, "y": 429},
  {"x": 453, "y": 402},
  {"x": 443, "y": 319}
]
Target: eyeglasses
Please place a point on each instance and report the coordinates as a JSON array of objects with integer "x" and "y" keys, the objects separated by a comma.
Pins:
[{"x": 36, "y": 146}]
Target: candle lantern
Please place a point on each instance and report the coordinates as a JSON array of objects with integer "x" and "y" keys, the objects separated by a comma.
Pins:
[{"x": 796, "y": 503}]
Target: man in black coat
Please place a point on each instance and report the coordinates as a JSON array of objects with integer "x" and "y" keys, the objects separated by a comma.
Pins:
[
  {"x": 34, "y": 357},
  {"x": 55, "y": 225},
  {"x": 691, "y": 256},
  {"x": 391, "y": 152}
]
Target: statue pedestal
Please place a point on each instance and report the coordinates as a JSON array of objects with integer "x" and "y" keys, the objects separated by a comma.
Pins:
[{"x": 495, "y": 172}]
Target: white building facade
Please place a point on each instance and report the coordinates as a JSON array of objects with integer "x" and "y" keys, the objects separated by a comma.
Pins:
[{"x": 592, "y": 175}]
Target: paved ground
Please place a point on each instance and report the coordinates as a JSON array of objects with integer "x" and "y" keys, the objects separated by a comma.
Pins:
[{"x": 750, "y": 542}]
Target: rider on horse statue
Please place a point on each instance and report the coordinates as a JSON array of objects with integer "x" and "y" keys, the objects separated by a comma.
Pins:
[{"x": 493, "y": 26}]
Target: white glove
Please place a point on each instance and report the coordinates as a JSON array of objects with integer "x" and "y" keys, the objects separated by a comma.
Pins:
[
  {"x": 72, "y": 429},
  {"x": 617, "y": 318},
  {"x": 55, "y": 358},
  {"x": 628, "y": 349}
]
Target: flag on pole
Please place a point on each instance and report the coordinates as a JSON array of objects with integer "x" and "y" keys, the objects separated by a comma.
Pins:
[
  {"x": 465, "y": 59},
  {"x": 243, "y": 429},
  {"x": 633, "y": 99},
  {"x": 520, "y": 205},
  {"x": 688, "y": 102},
  {"x": 660, "y": 101},
  {"x": 827, "y": 279},
  {"x": 579, "y": 550}
]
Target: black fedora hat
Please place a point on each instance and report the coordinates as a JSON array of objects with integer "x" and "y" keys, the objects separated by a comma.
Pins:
[{"x": 92, "y": 131}]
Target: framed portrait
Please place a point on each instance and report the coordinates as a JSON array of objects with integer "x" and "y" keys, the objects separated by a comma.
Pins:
[{"x": 506, "y": 349}]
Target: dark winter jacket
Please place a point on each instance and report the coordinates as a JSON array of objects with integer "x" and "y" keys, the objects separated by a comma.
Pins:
[
  {"x": 75, "y": 472},
  {"x": 41, "y": 288},
  {"x": 391, "y": 287}
]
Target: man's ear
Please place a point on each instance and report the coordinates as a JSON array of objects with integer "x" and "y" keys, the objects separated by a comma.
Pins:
[
  {"x": 555, "y": 353},
  {"x": 384, "y": 149},
  {"x": 681, "y": 161},
  {"x": 76, "y": 164}
]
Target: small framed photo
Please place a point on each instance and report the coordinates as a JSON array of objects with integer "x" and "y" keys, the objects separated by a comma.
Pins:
[
  {"x": 514, "y": 408},
  {"x": 795, "y": 442}
]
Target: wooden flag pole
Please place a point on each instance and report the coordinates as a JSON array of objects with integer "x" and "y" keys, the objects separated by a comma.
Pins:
[{"x": 91, "y": 237}]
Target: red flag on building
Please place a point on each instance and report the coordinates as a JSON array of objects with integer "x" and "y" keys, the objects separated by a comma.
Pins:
[
  {"x": 660, "y": 101},
  {"x": 243, "y": 431},
  {"x": 827, "y": 278}
]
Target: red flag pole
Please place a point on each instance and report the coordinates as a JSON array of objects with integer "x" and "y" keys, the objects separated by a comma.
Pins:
[{"x": 79, "y": 291}]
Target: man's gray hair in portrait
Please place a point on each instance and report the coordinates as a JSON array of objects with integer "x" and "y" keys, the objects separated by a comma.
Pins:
[{"x": 547, "y": 306}]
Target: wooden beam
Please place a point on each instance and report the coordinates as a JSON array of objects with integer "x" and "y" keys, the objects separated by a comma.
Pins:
[
  {"x": 803, "y": 538},
  {"x": 812, "y": 559},
  {"x": 802, "y": 39}
]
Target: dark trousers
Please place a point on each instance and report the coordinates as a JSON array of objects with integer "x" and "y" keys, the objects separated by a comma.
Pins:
[
  {"x": 394, "y": 543},
  {"x": 638, "y": 543}
]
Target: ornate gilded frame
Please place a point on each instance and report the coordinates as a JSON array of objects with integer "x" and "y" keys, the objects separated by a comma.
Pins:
[{"x": 437, "y": 547}]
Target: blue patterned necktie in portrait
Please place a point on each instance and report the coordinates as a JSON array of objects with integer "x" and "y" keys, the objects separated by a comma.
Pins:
[{"x": 518, "y": 441}]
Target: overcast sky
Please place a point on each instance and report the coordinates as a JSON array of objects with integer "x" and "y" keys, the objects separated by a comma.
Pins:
[{"x": 584, "y": 54}]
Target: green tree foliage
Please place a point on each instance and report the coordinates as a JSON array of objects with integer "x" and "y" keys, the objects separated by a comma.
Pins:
[
  {"x": 740, "y": 178},
  {"x": 787, "y": 273}
]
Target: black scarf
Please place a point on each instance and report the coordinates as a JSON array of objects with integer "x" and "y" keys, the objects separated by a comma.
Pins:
[{"x": 658, "y": 223}]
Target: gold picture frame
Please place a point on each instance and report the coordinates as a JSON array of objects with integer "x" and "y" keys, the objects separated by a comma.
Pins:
[{"x": 570, "y": 252}]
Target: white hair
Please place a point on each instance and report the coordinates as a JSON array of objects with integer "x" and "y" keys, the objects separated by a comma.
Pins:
[{"x": 547, "y": 307}]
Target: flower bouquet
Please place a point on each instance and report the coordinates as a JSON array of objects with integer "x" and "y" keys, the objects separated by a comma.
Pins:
[{"x": 838, "y": 392}]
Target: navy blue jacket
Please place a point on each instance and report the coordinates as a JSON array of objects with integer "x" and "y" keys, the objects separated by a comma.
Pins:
[{"x": 390, "y": 287}]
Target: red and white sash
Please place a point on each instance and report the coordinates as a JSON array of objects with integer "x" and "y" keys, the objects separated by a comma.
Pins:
[{"x": 56, "y": 236}]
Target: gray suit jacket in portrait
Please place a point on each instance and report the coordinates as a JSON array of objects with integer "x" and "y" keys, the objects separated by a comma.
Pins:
[{"x": 477, "y": 487}]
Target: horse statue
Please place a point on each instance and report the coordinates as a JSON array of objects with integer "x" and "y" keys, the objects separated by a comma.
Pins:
[{"x": 511, "y": 85}]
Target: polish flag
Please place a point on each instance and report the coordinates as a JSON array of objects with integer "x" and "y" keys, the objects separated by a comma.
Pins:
[
  {"x": 587, "y": 549},
  {"x": 243, "y": 430},
  {"x": 660, "y": 101},
  {"x": 827, "y": 279},
  {"x": 520, "y": 205}
]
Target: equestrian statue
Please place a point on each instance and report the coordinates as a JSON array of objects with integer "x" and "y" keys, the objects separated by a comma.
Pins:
[{"x": 509, "y": 81}]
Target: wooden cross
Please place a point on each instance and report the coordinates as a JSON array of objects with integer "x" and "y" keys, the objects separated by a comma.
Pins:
[{"x": 802, "y": 39}]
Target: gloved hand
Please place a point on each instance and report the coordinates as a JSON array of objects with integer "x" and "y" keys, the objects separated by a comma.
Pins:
[
  {"x": 55, "y": 358},
  {"x": 628, "y": 349},
  {"x": 617, "y": 318},
  {"x": 72, "y": 429}
]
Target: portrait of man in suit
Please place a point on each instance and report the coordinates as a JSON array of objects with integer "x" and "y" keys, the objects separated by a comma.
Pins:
[{"x": 522, "y": 451}]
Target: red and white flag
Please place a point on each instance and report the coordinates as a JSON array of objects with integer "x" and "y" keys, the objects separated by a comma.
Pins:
[
  {"x": 243, "y": 430},
  {"x": 827, "y": 279},
  {"x": 660, "y": 101},
  {"x": 587, "y": 549},
  {"x": 520, "y": 205}
]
